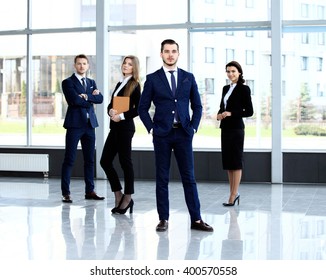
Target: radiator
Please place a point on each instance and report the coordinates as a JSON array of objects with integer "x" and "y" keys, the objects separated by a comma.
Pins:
[{"x": 25, "y": 162}]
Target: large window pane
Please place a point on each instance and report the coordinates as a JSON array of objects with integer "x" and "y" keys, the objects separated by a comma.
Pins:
[
  {"x": 12, "y": 90},
  {"x": 304, "y": 102},
  {"x": 139, "y": 12},
  {"x": 12, "y": 17},
  {"x": 146, "y": 46},
  {"x": 63, "y": 13},
  {"x": 222, "y": 11},
  {"x": 304, "y": 10},
  {"x": 257, "y": 73},
  {"x": 52, "y": 62}
]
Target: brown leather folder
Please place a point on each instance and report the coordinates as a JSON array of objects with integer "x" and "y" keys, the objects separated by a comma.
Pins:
[{"x": 121, "y": 103}]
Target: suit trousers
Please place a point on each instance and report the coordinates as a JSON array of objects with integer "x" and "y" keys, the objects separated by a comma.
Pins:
[
  {"x": 180, "y": 143},
  {"x": 86, "y": 136},
  {"x": 118, "y": 143}
]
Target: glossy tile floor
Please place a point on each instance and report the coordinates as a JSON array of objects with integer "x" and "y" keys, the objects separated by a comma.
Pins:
[{"x": 272, "y": 222}]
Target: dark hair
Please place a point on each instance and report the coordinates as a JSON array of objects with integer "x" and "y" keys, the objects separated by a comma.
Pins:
[
  {"x": 237, "y": 65},
  {"x": 169, "y": 42},
  {"x": 81, "y": 56}
]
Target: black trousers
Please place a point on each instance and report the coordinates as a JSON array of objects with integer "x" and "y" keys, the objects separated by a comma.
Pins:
[{"x": 118, "y": 143}]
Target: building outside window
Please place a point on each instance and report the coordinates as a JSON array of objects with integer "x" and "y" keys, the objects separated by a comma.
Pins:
[{"x": 32, "y": 106}]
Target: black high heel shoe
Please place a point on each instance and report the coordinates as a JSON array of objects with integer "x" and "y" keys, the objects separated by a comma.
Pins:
[
  {"x": 113, "y": 210},
  {"x": 237, "y": 198},
  {"x": 129, "y": 206}
]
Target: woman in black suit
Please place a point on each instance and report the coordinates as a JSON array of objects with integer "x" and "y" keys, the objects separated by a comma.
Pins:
[
  {"x": 235, "y": 105},
  {"x": 122, "y": 129}
]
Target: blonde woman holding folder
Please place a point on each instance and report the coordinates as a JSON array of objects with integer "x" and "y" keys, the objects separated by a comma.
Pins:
[{"x": 122, "y": 110}]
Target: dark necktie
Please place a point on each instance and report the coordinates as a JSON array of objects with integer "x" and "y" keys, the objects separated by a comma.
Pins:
[
  {"x": 84, "y": 83},
  {"x": 173, "y": 84},
  {"x": 174, "y": 88}
]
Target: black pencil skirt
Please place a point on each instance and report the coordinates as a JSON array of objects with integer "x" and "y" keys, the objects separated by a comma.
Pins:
[{"x": 232, "y": 148}]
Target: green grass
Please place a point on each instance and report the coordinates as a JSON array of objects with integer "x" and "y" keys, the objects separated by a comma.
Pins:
[
  {"x": 21, "y": 127},
  {"x": 57, "y": 128}
]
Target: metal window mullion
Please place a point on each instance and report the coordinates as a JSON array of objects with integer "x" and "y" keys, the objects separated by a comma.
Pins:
[
  {"x": 29, "y": 95},
  {"x": 277, "y": 157}
]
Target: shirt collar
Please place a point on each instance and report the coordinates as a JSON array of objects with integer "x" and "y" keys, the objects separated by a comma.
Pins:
[
  {"x": 167, "y": 70},
  {"x": 124, "y": 79},
  {"x": 79, "y": 76}
]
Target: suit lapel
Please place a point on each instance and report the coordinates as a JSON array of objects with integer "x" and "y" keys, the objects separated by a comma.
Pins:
[
  {"x": 180, "y": 80},
  {"x": 163, "y": 77},
  {"x": 78, "y": 84}
]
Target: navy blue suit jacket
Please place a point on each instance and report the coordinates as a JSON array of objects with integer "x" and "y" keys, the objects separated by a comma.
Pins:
[
  {"x": 76, "y": 116},
  {"x": 158, "y": 91}
]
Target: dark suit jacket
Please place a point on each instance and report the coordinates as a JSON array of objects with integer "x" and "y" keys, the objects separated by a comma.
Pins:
[
  {"x": 239, "y": 104},
  {"x": 128, "y": 122},
  {"x": 76, "y": 116},
  {"x": 157, "y": 89}
]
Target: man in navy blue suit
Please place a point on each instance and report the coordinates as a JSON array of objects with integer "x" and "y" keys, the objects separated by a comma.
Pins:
[
  {"x": 80, "y": 122},
  {"x": 172, "y": 90}
]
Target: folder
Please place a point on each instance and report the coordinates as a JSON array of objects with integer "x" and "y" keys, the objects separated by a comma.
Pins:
[{"x": 121, "y": 103}]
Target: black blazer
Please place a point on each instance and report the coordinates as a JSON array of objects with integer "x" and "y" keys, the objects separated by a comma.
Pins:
[
  {"x": 128, "y": 122},
  {"x": 239, "y": 104}
]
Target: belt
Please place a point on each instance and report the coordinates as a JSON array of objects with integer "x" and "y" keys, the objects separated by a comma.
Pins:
[{"x": 176, "y": 125}]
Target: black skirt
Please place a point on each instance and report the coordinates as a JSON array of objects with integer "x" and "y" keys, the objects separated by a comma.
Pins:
[{"x": 232, "y": 148}]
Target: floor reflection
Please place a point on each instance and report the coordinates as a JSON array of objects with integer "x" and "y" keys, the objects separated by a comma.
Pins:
[
  {"x": 232, "y": 247},
  {"x": 272, "y": 222},
  {"x": 122, "y": 243}
]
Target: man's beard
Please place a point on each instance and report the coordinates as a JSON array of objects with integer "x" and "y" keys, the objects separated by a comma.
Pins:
[{"x": 170, "y": 64}]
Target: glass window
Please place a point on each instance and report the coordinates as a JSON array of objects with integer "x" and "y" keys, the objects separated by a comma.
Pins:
[
  {"x": 11, "y": 17},
  {"x": 258, "y": 127},
  {"x": 305, "y": 38},
  {"x": 304, "y": 63},
  {"x": 209, "y": 55},
  {"x": 251, "y": 84},
  {"x": 229, "y": 55},
  {"x": 63, "y": 13},
  {"x": 321, "y": 12},
  {"x": 210, "y": 49},
  {"x": 230, "y": 9},
  {"x": 209, "y": 82},
  {"x": 321, "y": 38},
  {"x": 319, "y": 62},
  {"x": 146, "y": 12},
  {"x": 303, "y": 106},
  {"x": 147, "y": 47},
  {"x": 249, "y": 3},
  {"x": 51, "y": 63},
  {"x": 250, "y": 59},
  {"x": 303, "y": 10},
  {"x": 13, "y": 90}
]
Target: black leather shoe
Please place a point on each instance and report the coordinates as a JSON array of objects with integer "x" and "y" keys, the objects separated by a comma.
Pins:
[
  {"x": 162, "y": 225},
  {"x": 201, "y": 226},
  {"x": 66, "y": 199},
  {"x": 93, "y": 196}
]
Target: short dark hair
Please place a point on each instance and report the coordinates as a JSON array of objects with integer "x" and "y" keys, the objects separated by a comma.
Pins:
[
  {"x": 81, "y": 56},
  {"x": 169, "y": 42}
]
